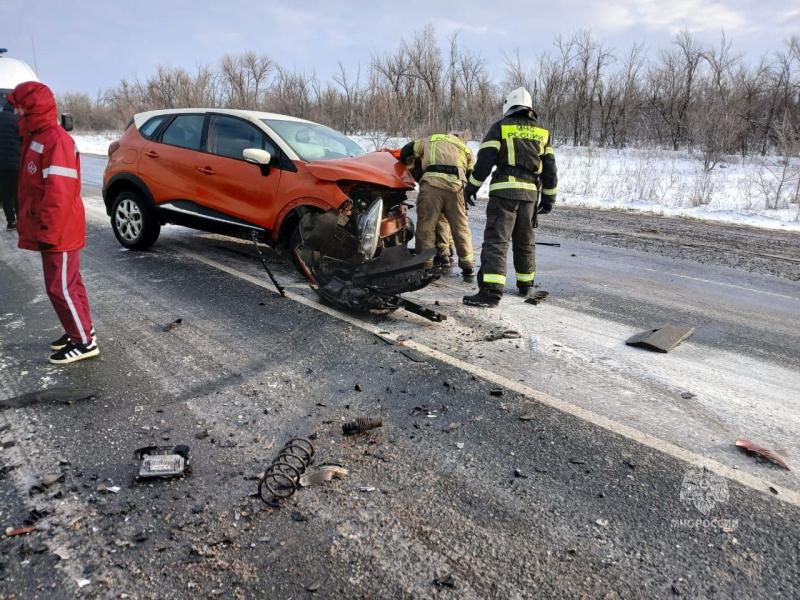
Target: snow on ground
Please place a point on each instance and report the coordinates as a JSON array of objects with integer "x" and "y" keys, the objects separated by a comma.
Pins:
[
  {"x": 754, "y": 191},
  {"x": 95, "y": 142}
]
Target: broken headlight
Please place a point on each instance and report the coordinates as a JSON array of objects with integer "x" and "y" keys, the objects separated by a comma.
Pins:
[{"x": 370, "y": 229}]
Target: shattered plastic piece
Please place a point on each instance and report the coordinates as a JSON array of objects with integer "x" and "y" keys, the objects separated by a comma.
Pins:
[
  {"x": 62, "y": 395},
  {"x": 368, "y": 488},
  {"x": 661, "y": 339},
  {"x": 752, "y": 448},
  {"x": 82, "y": 582},
  {"x": 361, "y": 424},
  {"x": 496, "y": 392},
  {"x": 602, "y": 522},
  {"x": 508, "y": 334},
  {"x": 527, "y": 417},
  {"x": 15, "y": 531},
  {"x": 460, "y": 445},
  {"x": 171, "y": 326},
  {"x": 323, "y": 474},
  {"x": 110, "y": 489},
  {"x": 537, "y": 298},
  {"x": 163, "y": 461}
]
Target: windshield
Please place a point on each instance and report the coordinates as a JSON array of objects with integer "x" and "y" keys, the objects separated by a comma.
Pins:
[{"x": 314, "y": 142}]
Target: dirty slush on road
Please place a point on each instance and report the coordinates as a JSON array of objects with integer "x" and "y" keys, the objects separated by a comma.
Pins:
[{"x": 465, "y": 490}]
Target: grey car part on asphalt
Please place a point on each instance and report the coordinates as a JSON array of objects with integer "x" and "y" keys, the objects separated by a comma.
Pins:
[
  {"x": 162, "y": 462},
  {"x": 661, "y": 339}
]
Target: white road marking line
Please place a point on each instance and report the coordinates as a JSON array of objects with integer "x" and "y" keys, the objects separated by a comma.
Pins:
[
  {"x": 731, "y": 285},
  {"x": 785, "y": 494}
]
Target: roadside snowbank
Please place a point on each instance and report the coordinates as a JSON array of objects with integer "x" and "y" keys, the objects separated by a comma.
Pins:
[
  {"x": 95, "y": 142},
  {"x": 754, "y": 191}
]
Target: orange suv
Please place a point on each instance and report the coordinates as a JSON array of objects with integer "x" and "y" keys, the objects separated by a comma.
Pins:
[{"x": 272, "y": 178}]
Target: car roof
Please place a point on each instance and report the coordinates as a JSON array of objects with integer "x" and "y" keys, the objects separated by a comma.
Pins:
[
  {"x": 252, "y": 115},
  {"x": 13, "y": 72}
]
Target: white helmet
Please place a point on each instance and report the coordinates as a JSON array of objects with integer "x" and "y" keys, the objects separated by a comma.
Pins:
[{"x": 517, "y": 99}]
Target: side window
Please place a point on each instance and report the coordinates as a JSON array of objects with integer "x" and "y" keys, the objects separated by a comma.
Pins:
[
  {"x": 151, "y": 126},
  {"x": 229, "y": 137},
  {"x": 185, "y": 131}
]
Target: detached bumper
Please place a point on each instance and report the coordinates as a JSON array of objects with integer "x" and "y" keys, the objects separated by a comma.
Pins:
[{"x": 372, "y": 285}]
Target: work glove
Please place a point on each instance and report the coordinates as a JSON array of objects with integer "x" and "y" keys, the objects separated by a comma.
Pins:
[
  {"x": 546, "y": 204},
  {"x": 470, "y": 191}
]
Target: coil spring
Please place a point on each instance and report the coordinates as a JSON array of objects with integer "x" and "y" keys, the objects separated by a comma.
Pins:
[
  {"x": 361, "y": 424},
  {"x": 282, "y": 478}
]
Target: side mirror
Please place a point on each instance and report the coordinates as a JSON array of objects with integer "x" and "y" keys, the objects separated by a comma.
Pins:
[
  {"x": 257, "y": 156},
  {"x": 67, "y": 122}
]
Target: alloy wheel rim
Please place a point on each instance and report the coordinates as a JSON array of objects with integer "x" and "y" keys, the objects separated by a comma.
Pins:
[{"x": 129, "y": 220}]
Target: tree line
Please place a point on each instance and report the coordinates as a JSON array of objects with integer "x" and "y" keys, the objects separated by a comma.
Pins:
[{"x": 706, "y": 99}]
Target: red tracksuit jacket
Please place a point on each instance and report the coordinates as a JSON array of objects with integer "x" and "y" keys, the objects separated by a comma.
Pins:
[{"x": 49, "y": 193}]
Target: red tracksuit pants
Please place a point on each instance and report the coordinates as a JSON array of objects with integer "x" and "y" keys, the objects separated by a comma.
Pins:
[{"x": 64, "y": 284}]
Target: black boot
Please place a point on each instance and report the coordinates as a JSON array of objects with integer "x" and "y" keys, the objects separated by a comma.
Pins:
[
  {"x": 524, "y": 290},
  {"x": 483, "y": 299}
]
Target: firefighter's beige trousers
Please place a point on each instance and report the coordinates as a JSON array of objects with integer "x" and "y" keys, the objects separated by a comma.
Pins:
[{"x": 433, "y": 202}]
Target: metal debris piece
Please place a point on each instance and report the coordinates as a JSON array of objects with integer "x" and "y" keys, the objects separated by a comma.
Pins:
[
  {"x": 361, "y": 424},
  {"x": 323, "y": 474},
  {"x": 661, "y": 339},
  {"x": 537, "y": 297},
  {"x": 508, "y": 334},
  {"x": 445, "y": 581},
  {"x": 171, "y": 326},
  {"x": 43, "y": 482},
  {"x": 527, "y": 417},
  {"x": 15, "y": 531},
  {"x": 108, "y": 487},
  {"x": 163, "y": 462},
  {"x": 63, "y": 395},
  {"x": 282, "y": 478},
  {"x": 752, "y": 448},
  {"x": 367, "y": 488},
  {"x": 82, "y": 582}
]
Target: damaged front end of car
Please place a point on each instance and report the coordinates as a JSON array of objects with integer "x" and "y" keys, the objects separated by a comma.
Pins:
[{"x": 357, "y": 256}]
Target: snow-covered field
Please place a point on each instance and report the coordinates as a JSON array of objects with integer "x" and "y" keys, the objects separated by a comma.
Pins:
[{"x": 755, "y": 191}]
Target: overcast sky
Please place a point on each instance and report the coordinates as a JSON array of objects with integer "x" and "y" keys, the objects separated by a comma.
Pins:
[{"x": 92, "y": 44}]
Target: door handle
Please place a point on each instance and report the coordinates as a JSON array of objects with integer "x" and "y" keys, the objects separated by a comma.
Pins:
[
  {"x": 151, "y": 154},
  {"x": 206, "y": 170}
]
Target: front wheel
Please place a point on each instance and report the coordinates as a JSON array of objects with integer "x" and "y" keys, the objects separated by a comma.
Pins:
[{"x": 134, "y": 221}]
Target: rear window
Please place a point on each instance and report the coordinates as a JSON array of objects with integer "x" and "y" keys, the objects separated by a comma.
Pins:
[
  {"x": 149, "y": 129},
  {"x": 186, "y": 131}
]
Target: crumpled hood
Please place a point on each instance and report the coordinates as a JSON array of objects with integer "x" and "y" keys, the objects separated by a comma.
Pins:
[
  {"x": 380, "y": 168},
  {"x": 39, "y": 104}
]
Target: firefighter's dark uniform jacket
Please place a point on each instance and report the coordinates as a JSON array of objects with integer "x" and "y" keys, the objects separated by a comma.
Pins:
[{"x": 519, "y": 147}]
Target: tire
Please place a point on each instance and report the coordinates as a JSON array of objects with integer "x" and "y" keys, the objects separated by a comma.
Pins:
[
  {"x": 294, "y": 241},
  {"x": 134, "y": 221}
]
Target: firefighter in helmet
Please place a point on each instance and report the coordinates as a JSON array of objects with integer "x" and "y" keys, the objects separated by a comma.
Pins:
[{"x": 519, "y": 147}]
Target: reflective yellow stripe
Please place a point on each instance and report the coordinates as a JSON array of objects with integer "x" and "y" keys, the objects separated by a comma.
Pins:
[
  {"x": 525, "y": 277},
  {"x": 494, "y": 278},
  {"x": 467, "y": 258},
  {"x": 512, "y": 152},
  {"x": 490, "y": 144},
  {"x": 474, "y": 181},
  {"x": 441, "y": 137},
  {"x": 513, "y": 185},
  {"x": 432, "y": 157},
  {"x": 549, "y": 150},
  {"x": 418, "y": 148},
  {"x": 528, "y": 132},
  {"x": 447, "y": 176},
  {"x": 549, "y": 191}
]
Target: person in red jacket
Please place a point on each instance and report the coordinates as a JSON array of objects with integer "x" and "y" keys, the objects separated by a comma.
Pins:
[{"x": 50, "y": 218}]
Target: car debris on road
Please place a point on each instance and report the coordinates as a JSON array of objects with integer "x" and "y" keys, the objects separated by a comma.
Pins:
[
  {"x": 751, "y": 448},
  {"x": 163, "y": 462},
  {"x": 661, "y": 339}
]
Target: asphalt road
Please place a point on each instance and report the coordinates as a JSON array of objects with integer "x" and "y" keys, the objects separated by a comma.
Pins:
[{"x": 602, "y": 502}]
